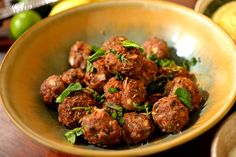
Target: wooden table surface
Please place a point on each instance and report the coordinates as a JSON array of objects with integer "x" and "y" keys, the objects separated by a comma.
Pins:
[{"x": 14, "y": 143}]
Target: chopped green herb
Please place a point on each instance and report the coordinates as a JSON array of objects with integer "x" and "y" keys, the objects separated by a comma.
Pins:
[
  {"x": 89, "y": 67},
  {"x": 143, "y": 107},
  {"x": 96, "y": 95},
  {"x": 99, "y": 52},
  {"x": 118, "y": 114},
  {"x": 121, "y": 57},
  {"x": 130, "y": 44},
  {"x": 113, "y": 90},
  {"x": 165, "y": 62},
  {"x": 86, "y": 108},
  {"x": 188, "y": 63},
  {"x": 72, "y": 134},
  {"x": 71, "y": 88},
  {"x": 184, "y": 96},
  {"x": 118, "y": 76},
  {"x": 152, "y": 57}
]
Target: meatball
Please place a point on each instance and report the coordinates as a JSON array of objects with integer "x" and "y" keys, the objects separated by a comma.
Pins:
[
  {"x": 114, "y": 43},
  {"x": 175, "y": 72},
  {"x": 157, "y": 47},
  {"x": 137, "y": 127},
  {"x": 128, "y": 62},
  {"x": 149, "y": 71},
  {"x": 98, "y": 78},
  {"x": 101, "y": 129},
  {"x": 79, "y": 53},
  {"x": 113, "y": 91},
  {"x": 69, "y": 115},
  {"x": 170, "y": 115},
  {"x": 73, "y": 75},
  {"x": 183, "y": 82},
  {"x": 51, "y": 88},
  {"x": 133, "y": 93}
]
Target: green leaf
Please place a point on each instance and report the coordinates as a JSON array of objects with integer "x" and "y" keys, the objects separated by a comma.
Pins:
[
  {"x": 121, "y": 57},
  {"x": 89, "y": 67},
  {"x": 98, "y": 53},
  {"x": 152, "y": 57},
  {"x": 118, "y": 113},
  {"x": 86, "y": 108},
  {"x": 165, "y": 62},
  {"x": 118, "y": 76},
  {"x": 130, "y": 44},
  {"x": 184, "y": 96},
  {"x": 72, "y": 134},
  {"x": 71, "y": 88},
  {"x": 113, "y": 90}
]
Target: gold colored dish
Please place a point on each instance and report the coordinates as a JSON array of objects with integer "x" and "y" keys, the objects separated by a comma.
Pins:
[{"x": 43, "y": 49}]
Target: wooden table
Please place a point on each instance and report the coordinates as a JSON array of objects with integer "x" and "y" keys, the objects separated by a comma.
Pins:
[{"x": 14, "y": 143}]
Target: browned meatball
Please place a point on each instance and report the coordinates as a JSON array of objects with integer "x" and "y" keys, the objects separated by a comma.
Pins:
[
  {"x": 73, "y": 75},
  {"x": 175, "y": 72},
  {"x": 137, "y": 127},
  {"x": 170, "y": 115},
  {"x": 51, "y": 88},
  {"x": 188, "y": 84},
  {"x": 157, "y": 47},
  {"x": 69, "y": 115},
  {"x": 101, "y": 129},
  {"x": 149, "y": 71},
  {"x": 133, "y": 93},
  {"x": 128, "y": 63},
  {"x": 113, "y": 91},
  {"x": 79, "y": 53},
  {"x": 114, "y": 43},
  {"x": 98, "y": 78}
]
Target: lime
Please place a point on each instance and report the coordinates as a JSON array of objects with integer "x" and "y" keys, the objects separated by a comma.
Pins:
[
  {"x": 225, "y": 16},
  {"x": 66, "y": 4},
  {"x": 22, "y": 21}
]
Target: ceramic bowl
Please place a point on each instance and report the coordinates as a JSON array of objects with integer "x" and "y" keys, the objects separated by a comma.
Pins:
[
  {"x": 43, "y": 50},
  {"x": 224, "y": 143}
]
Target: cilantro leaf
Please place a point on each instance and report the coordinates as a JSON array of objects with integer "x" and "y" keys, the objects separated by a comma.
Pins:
[
  {"x": 72, "y": 134},
  {"x": 113, "y": 90},
  {"x": 71, "y": 88},
  {"x": 130, "y": 44},
  {"x": 184, "y": 96}
]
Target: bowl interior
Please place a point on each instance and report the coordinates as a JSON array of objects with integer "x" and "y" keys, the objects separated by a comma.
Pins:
[{"x": 43, "y": 51}]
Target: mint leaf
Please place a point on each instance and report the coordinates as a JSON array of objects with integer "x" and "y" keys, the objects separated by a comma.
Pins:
[
  {"x": 98, "y": 53},
  {"x": 71, "y": 88},
  {"x": 113, "y": 90},
  {"x": 184, "y": 96},
  {"x": 130, "y": 44},
  {"x": 72, "y": 134}
]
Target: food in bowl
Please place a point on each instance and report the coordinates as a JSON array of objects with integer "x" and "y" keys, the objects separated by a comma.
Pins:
[{"x": 122, "y": 93}]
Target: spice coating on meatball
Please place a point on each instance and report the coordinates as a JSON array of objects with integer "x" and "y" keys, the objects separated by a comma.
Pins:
[
  {"x": 79, "y": 53},
  {"x": 113, "y": 91},
  {"x": 170, "y": 115},
  {"x": 101, "y": 129},
  {"x": 51, "y": 88},
  {"x": 72, "y": 75},
  {"x": 157, "y": 47},
  {"x": 133, "y": 93},
  {"x": 137, "y": 127},
  {"x": 69, "y": 115}
]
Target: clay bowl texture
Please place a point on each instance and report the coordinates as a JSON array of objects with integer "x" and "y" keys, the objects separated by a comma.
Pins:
[{"x": 43, "y": 50}]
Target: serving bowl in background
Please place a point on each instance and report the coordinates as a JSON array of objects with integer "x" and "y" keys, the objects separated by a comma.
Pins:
[
  {"x": 43, "y": 50},
  {"x": 224, "y": 143}
]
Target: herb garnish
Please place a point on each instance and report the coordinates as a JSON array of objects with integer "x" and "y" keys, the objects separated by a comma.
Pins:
[
  {"x": 143, "y": 107},
  {"x": 131, "y": 44},
  {"x": 118, "y": 76},
  {"x": 113, "y": 90},
  {"x": 121, "y": 57},
  {"x": 184, "y": 96},
  {"x": 188, "y": 63},
  {"x": 86, "y": 108},
  {"x": 72, "y": 134},
  {"x": 71, "y": 88},
  {"x": 96, "y": 95},
  {"x": 118, "y": 113}
]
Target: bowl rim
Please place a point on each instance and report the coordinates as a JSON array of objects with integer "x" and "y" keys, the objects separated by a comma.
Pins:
[{"x": 134, "y": 151}]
